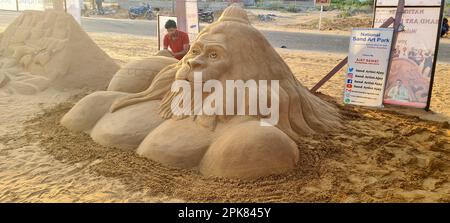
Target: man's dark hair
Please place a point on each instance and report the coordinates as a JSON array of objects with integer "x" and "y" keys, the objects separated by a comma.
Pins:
[
  {"x": 445, "y": 20},
  {"x": 170, "y": 24}
]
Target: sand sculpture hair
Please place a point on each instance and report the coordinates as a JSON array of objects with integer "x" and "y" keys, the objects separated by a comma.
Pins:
[
  {"x": 42, "y": 49},
  {"x": 227, "y": 146}
]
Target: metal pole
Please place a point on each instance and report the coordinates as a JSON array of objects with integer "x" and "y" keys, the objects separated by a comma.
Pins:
[
  {"x": 159, "y": 34},
  {"x": 173, "y": 7},
  {"x": 320, "y": 18}
]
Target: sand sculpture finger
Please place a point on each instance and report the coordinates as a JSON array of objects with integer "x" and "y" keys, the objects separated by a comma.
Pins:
[
  {"x": 156, "y": 91},
  {"x": 137, "y": 76}
]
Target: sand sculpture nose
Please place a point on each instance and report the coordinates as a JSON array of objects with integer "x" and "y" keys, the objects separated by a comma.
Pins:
[{"x": 195, "y": 63}]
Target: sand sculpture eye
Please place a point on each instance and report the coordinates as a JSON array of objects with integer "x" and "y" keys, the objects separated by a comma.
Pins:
[
  {"x": 213, "y": 55},
  {"x": 195, "y": 51}
]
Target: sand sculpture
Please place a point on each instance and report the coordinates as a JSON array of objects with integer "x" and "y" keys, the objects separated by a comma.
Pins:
[
  {"x": 42, "y": 49},
  {"x": 233, "y": 146}
]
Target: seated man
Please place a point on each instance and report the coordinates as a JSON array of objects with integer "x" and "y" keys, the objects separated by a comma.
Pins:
[
  {"x": 177, "y": 40},
  {"x": 399, "y": 92},
  {"x": 445, "y": 27}
]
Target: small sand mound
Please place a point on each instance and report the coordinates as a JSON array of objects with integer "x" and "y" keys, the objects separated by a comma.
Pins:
[{"x": 42, "y": 49}]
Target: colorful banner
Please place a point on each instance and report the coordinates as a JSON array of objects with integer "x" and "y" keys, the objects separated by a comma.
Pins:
[
  {"x": 8, "y": 5},
  {"x": 410, "y": 3},
  {"x": 368, "y": 62},
  {"x": 192, "y": 27},
  {"x": 162, "y": 30},
  {"x": 412, "y": 67}
]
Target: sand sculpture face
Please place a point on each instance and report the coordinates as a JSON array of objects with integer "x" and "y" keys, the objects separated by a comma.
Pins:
[
  {"x": 208, "y": 55},
  {"x": 227, "y": 146}
]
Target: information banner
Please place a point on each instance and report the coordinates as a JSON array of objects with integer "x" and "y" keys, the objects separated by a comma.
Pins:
[
  {"x": 192, "y": 27},
  {"x": 8, "y": 5},
  {"x": 412, "y": 67},
  {"x": 410, "y": 3},
  {"x": 368, "y": 63},
  {"x": 161, "y": 30}
]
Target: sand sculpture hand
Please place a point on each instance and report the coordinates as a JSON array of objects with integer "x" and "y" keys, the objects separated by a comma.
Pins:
[
  {"x": 158, "y": 88},
  {"x": 165, "y": 53}
]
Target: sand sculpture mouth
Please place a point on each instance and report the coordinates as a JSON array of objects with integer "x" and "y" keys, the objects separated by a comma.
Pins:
[
  {"x": 234, "y": 146},
  {"x": 49, "y": 49}
]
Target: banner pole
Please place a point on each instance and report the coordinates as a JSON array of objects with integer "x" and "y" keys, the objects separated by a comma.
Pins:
[
  {"x": 397, "y": 22},
  {"x": 436, "y": 50},
  {"x": 173, "y": 7},
  {"x": 157, "y": 33},
  {"x": 320, "y": 17}
]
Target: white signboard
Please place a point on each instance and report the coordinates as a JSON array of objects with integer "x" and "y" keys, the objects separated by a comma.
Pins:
[
  {"x": 409, "y": 80},
  {"x": 162, "y": 30},
  {"x": 368, "y": 61},
  {"x": 192, "y": 27},
  {"x": 74, "y": 8},
  {"x": 410, "y": 2},
  {"x": 8, "y": 4},
  {"x": 31, "y": 5}
]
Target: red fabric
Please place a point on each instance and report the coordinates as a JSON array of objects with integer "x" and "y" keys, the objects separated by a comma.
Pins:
[{"x": 176, "y": 45}]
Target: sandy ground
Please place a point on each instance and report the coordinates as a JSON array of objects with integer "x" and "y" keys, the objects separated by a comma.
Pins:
[
  {"x": 382, "y": 156},
  {"x": 29, "y": 174}
]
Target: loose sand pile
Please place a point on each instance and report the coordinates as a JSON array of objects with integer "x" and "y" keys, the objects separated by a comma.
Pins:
[
  {"x": 383, "y": 156},
  {"x": 30, "y": 174},
  {"x": 43, "y": 49}
]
